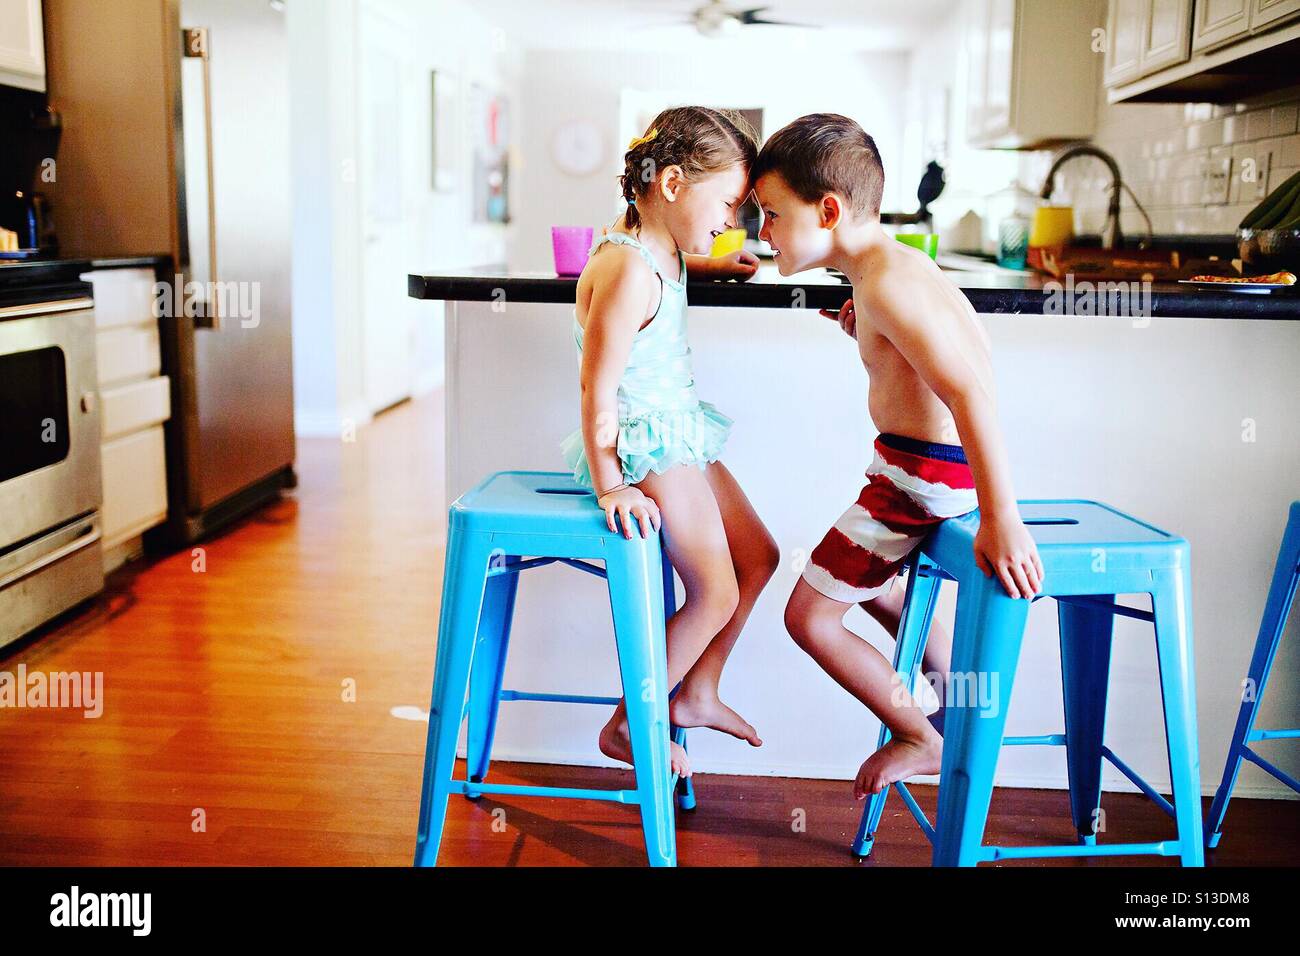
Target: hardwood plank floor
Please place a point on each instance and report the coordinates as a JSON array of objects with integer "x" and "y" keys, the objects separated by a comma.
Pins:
[{"x": 224, "y": 693}]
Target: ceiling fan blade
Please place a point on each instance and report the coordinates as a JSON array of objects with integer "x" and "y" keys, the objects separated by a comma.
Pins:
[{"x": 751, "y": 18}]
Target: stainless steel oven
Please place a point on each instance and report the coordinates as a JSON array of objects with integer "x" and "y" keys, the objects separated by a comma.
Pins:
[{"x": 50, "y": 492}]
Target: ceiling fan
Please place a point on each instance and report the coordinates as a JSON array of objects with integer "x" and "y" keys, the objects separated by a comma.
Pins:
[{"x": 716, "y": 19}]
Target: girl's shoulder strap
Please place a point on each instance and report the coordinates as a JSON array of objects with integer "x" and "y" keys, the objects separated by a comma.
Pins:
[{"x": 623, "y": 239}]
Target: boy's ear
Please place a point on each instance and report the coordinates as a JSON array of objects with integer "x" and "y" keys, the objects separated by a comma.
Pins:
[
  {"x": 671, "y": 181},
  {"x": 830, "y": 210}
]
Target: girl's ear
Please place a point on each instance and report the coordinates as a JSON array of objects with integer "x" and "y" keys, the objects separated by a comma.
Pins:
[
  {"x": 671, "y": 181},
  {"x": 830, "y": 211}
]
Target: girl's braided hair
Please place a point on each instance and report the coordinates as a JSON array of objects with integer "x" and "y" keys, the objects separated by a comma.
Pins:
[{"x": 699, "y": 139}]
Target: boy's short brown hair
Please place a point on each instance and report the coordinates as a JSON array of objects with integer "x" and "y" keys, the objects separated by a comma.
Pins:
[{"x": 823, "y": 153}]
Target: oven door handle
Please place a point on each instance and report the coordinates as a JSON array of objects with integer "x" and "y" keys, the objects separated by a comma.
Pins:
[{"x": 58, "y": 554}]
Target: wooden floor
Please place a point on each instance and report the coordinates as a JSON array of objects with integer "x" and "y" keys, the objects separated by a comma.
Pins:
[{"x": 225, "y": 705}]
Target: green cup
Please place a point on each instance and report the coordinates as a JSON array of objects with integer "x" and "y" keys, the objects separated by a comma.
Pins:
[{"x": 927, "y": 242}]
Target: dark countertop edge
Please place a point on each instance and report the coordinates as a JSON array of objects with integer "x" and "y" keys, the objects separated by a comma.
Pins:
[
  {"x": 152, "y": 260},
  {"x": 27, "y": 281},
  {"x": 1165, "y": 303}
]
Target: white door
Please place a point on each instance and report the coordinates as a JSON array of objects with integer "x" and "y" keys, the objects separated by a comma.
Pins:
[{"x": 387, "y": 211}]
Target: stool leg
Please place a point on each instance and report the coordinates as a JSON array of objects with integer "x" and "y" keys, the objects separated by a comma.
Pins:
[
  {"x": 685, "y": 790},
  {"x": 634, "y": 573},
  {"x": 685, "y": 786},
  {"x": 1281, "y": 593},
  {"x": 490, "y": 648},
  {"x": 462, "y": 596},
  {"x": 909, "y": 647},
  {"x": 985, "y": 651},
  {"x": 1173, "y": 620},
  {"x": 1086, "y": 634}
]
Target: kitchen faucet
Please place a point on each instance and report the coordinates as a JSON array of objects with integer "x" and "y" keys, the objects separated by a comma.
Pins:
[{"x": 1111, "y": 236}]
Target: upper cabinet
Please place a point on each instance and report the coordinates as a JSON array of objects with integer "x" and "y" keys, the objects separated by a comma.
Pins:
[
  {"x": 1219, "y": 22},
  {"x": 22, "y": 45},
  {"x": 1143, "y": 36},
  {"x": 1197, "y": 50},
  {"x": 1022, "y": 55}
]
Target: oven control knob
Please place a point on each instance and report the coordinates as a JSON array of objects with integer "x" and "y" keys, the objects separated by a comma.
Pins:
[{"x": 88, "y": 402}]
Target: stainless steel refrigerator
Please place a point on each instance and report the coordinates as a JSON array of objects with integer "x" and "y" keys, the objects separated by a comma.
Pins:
[{"x": 177, "y": 140}]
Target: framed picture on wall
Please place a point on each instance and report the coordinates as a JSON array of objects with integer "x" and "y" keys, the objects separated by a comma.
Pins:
[{"x": 489, "y": 117}]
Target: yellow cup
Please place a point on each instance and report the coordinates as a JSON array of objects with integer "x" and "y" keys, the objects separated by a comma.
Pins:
[
  {"x": 1052, "y": 226},
  {"x": 725, "y": 243}
]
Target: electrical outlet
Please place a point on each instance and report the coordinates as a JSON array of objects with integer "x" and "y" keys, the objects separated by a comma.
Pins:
[
  {"x": 1254, "y": 175},
  {"x": 1218, "y": 177}
]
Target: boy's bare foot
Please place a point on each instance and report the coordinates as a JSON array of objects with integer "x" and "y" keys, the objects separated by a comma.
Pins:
[
  {"x": 617, "y": 745},
  {"x": 897, "y": 760},
  {"x": 711, "y": 713}
]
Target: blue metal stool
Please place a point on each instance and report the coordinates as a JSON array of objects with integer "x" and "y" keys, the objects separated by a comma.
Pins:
[
  {"x": 1090, "y": 553},
  {"x": 1280, "y": 595},
  {"x": 493, "y": 529}
]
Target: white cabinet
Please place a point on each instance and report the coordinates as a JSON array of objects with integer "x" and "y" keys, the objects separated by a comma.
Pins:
[
  {"x": 1143, "y": 36},
  {"x": 1124, "y": 29},
  {"x": 1196, "y": 50},
  {"x": 1218, "y": 22},
  {"x": 22, "y": 44},
  {"x": 1033, "y": 74},
  {"x": 1266, "y": 14},
  {"x": 135, "y": 400},
  {"x": 1166, "y": 34}
]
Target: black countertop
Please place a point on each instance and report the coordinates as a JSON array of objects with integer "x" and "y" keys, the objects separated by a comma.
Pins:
[
  {"x": 987, "y": 292},
  {"x": 23, "y": 281}
]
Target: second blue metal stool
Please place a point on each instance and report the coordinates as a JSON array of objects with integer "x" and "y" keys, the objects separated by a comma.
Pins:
[{"x": 1090, "y": 553}]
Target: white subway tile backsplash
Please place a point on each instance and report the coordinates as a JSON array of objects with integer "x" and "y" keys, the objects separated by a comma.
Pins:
[
  {"x": 1288, "y": 153},
  {"x": 1258, "y": 123},
  {"x": 1284, "y": 119},
  {"x": 1164, "y": 152}
]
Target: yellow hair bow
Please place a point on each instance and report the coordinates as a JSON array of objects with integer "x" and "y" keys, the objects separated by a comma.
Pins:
[{"x": 638, "y": 140}]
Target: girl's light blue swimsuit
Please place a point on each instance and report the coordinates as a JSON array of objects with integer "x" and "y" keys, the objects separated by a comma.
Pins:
[{"x": 661, "y": 422}]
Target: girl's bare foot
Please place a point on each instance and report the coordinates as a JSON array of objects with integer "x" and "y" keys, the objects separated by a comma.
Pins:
[
  {"x": 898, "y": 760},
  {"x": 617, "y": 745},
  {"x": 712, "y": 713}
]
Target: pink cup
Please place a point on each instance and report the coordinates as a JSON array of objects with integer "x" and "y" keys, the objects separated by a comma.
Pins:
[{"x": 570, "y": 245}]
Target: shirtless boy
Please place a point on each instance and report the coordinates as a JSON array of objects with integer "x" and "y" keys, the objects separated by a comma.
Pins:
[{"x": 819, "y": 182}]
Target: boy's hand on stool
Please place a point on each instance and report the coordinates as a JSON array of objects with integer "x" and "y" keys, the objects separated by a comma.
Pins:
[
  {"x": 846, "y": 317},
  {"x": 1004, "y": 545},
  {"x": 629, "y": 503}
]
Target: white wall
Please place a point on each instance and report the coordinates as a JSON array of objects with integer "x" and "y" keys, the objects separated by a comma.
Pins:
[
  {"x": 557, "y": 86},
  {"x": 1146, "y": 419},
  {"x": 329, "y": 286}
]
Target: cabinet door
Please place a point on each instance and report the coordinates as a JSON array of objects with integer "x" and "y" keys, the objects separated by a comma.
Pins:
[
  {"x": 1167, "y": 38},
  {"x": 22, "y": 45},
  {"x": 1125, "y": 32},
  {"x": 1219, "y": 21},
  {"x": 1269, "y": 13},
  {"x": 1000, "y": 69}
]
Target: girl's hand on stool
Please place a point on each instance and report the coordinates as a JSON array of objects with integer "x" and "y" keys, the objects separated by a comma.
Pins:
[{"x": 630, "y": 502}]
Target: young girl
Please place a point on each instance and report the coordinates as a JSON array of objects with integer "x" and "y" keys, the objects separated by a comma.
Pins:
[{"x": 648, "y": 446}]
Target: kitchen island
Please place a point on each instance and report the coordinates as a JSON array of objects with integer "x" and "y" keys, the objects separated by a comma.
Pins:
[{"x": 1184, "y": 416}]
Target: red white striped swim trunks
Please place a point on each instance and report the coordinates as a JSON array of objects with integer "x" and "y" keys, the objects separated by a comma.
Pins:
[{"x": 911, "y": 487}]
